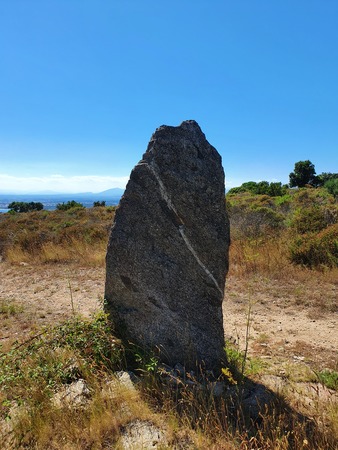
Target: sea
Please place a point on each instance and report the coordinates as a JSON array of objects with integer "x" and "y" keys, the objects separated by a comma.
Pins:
[{"x": 50, "y": 201}]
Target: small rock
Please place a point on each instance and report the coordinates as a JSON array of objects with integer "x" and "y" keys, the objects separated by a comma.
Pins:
[
  {"x": 75, "y": 394},
  {"x": 256, "y": 400},
  {"x": 179, "y": 369},
  {"x": 127, "y": 379},
  {"x": 217, "y": 388},
  {"x": 142, "y": 435}
]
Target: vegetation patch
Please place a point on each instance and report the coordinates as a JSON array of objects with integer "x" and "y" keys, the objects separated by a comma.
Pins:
[
  {"x": 316, "y": 249},
  {"x": 290, "y": 238},
  {"x": 66, "y": 235},
  {"x": 9, "y": 308},
  {"x": 329, "y": 378}
]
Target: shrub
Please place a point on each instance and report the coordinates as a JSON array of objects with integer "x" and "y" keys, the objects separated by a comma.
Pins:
[
  {"x": 284, "y": 202},
  {"x": 309, "y": 197},
  {"x": 310, "y": 219},
  {"x": 277, "y": 189},
  {"x": 255, "y": 221},
  {"x": 316, "y": 249},
  {"x": 69, "y": 205},
  {"x": 329, "y": 378},
  {"x": 332, "y": 186},
  {"x": 261, "y": 188},
  {"x": 42, "y": 361}
]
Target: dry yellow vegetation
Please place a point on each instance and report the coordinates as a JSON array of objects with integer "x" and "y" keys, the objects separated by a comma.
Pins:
[{"x": 53, "y": 268}]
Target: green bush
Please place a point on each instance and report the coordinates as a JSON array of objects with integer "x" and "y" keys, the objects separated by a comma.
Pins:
[
  {"x": 283, "y": 200},
  {"x": 69, "y": 205},
  {"x": 332, "y": 187},
  {"x": 316, "y": 249},
  {"x": 329, "y": 378},
  {"x": 310, "y": 219},
  {"x": 261, "y": 188},
  {"x": 59, "y": 355},
  {"x": 312, "y": 196}
]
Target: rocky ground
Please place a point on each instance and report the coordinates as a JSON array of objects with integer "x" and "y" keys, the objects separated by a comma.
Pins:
[{"x": 289, "y": 327}]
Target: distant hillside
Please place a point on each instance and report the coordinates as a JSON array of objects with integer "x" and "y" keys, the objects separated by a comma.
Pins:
[
  {"x": 49, "y": 201},
  {"x": 114, "y": 192}
]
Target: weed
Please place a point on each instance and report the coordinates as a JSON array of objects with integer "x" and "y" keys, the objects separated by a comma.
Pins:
[
  {"x": 263, "y": 338},
  {"x": 10, "y": 308},
  {"x": 328, "y": 378}
]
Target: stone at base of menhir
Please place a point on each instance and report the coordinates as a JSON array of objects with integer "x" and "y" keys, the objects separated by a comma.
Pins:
[{"x": 167, "y": 255}]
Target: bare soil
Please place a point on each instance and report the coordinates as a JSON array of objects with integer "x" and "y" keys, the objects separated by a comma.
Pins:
[{"x": 290, "y": 322}]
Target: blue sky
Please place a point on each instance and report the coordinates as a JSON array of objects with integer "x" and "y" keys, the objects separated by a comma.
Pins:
[{"x": 84, "y": 84}]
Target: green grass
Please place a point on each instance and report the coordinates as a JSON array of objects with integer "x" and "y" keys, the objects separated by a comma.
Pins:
[{"x": 329, "y": 378}]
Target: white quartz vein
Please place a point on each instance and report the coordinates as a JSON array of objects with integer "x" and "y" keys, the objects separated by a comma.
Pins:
[{"x": 167, "y": 199}]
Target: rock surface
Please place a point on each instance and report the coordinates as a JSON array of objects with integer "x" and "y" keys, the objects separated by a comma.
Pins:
[
  {"x": 142, "y": 435},
  {"x": 167, "y": 255},
  {"x": 74, "y": 394}
]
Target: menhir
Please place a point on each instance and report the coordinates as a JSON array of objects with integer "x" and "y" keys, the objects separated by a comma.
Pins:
[{"x": 167, "y": 255}]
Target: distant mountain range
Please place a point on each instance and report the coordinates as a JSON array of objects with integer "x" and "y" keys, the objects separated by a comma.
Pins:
[
  {"x": 108, "y": 193},
  {"x": 50, "y": 199}
]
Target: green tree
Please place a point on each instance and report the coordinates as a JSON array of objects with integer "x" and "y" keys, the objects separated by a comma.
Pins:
[
  {"x": 277, "y": 189},
  {"x": 21, "y": 207},
  {"x": 324, "y": 177},
  {"x": 304, "y": 173},
  {"x": 99, "y": 203},
  {"x": 262, "y": 188}
]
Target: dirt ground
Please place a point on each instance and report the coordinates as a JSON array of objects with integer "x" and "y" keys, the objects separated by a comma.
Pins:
[{"x": 284, "y": 327}]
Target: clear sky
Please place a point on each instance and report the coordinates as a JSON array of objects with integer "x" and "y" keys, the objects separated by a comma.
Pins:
[{"x": 84, "y": 84}]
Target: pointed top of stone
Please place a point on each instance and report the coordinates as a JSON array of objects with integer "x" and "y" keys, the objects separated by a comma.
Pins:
[
  {"x": 187, "y": 127},
  {"x": 186, "y": 142}
]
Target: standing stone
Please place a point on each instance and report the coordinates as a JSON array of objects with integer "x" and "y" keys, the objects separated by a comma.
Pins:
[{"x": 167, "y": 255}]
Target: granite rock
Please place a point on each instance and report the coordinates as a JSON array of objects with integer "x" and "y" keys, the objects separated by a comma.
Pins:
[{"x": 167, "y": 255}]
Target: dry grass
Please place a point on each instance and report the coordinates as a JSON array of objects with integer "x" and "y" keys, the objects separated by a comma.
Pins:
[
  {"x": 266, "y": 260},
  {"x": 269, "y": 257},
  {"x": 78, "y": 235},
  {"x": 88, "y": 254},
  {"x": 96, "y": 424},
  {"x": 191, "y": 416}
]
